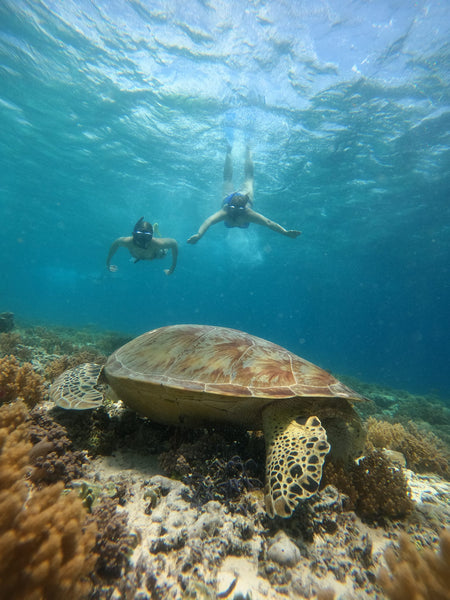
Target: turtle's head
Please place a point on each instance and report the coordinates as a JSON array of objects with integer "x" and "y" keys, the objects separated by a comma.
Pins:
[{"x": 142, "y": 233}]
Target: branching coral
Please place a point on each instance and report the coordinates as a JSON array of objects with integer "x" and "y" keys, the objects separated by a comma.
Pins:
[
  {"x": 417, "y": 575},
  {"x": 18, "y": 381},
  {"x": 424, "y": 452},
  {"x": 45, "y": 544}
]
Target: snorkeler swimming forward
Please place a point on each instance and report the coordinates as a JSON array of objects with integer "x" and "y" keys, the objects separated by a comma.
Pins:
[
  {"x": 236, "y": 208},
  {"x": 143, "y": 246}
]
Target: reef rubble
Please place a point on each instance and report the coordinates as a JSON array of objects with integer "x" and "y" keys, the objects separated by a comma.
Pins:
[{"x": 210, "y": 551}]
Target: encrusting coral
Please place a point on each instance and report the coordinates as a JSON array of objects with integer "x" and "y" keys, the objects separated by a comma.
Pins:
[
  {"x": 417, "y": 575},
  {"x": 45, "y": 542},
  {"x": 53, "y": 455},
  {"x": 20, "y": 381},
  {"x": 114, "y": 545}
]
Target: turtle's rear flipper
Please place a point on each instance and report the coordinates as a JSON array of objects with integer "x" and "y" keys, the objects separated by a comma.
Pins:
[
  {"x": 296, "y": 450},
  {"x": 79, "y": 388}
]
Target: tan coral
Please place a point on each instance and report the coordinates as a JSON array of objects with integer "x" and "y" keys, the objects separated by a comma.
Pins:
[
  {"x": 45, "y": 544},
  {"x": 417, "y": 575},
  {"x": 424, "y": 451},
  {"x": 20, "y": 381}
]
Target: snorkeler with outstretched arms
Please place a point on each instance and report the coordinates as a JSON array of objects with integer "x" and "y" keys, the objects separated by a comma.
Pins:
[
  {"x": 236, "y": 208},
  {"x": 143, "y": 246}
]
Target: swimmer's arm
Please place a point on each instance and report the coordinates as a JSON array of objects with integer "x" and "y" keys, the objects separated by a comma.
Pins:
[
  {"x": 212, "y": 220},
  {"x": 122, "y": 241},
  {"x": 171, "y": 244},
  {"x": 259, "y": 219}
]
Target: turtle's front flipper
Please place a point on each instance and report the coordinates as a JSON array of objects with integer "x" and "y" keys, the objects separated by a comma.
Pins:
[
  {"x": 295, "y": 451},
  {"x": 79, "y": 388}
]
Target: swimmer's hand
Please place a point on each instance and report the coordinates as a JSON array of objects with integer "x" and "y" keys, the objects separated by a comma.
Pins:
[
  {"x": 168, "y": 271},
  {"x": 113, "y": 268},
  {"x": 193, "y": 239},
  {"x": 293, "y": 233}
]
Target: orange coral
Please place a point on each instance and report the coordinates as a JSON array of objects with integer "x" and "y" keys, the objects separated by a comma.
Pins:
[
  {"x": 20, "y": 382},
  {"x": 45, "y": 545},
  {"x": 417, "y": 575}
]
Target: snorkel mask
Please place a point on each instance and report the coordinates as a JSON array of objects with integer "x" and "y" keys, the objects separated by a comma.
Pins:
[
  {"x": 142, "y": 233},
  {"x": 236, "y": 201}
]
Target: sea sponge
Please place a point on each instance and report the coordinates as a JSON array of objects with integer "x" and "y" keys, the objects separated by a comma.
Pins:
[
  {"x": 45, "y": 542},
  {"x": 375, "y": 490},
  {"x": 424, "y": 451},
  {"x": 18, "y": 381},
  {"x": 415, "y": 575},
  {"x": 382, "y": 490}
]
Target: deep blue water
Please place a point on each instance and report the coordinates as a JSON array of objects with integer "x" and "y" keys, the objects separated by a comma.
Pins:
[{"x": 114, "y": 109}]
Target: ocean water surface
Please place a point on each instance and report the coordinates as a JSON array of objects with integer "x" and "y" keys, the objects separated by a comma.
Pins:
[{"x": 111, "y": 110}]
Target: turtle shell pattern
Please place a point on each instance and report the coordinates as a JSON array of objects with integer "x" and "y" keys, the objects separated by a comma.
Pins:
[{"x": 197, "y": 373}]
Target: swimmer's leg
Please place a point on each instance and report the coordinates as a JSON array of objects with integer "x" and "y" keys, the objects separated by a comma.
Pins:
[
  {"x": 248, "y": 174},
  {"x": 228, "y": 174}
]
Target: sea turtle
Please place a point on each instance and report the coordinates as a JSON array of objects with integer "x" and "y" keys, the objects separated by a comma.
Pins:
[{"x": 198, "y": 374}]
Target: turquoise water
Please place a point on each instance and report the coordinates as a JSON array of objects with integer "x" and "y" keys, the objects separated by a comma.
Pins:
[{"x": 110, "y": 110}]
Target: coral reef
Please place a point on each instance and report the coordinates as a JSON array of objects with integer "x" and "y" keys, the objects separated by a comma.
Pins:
[
  {"x": 60, "y": 364},
  {"x": 424, "y": 451},
  {"x": 52, "y": 340},
  {"x": 204, "y": 533},
  {"x": 9, "y": 342},
  {"x": 417, "y": 575},
  {"x": 45, "y": 543},
  {"x": 6, "y": 321},
  {"x": 375, "y": 489},
  {"x": 13, "y": 343},
  {"x": 431, "y": 412},
  {"x": 20, "y": 381},
  {"x": 65, "y": 340}
]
